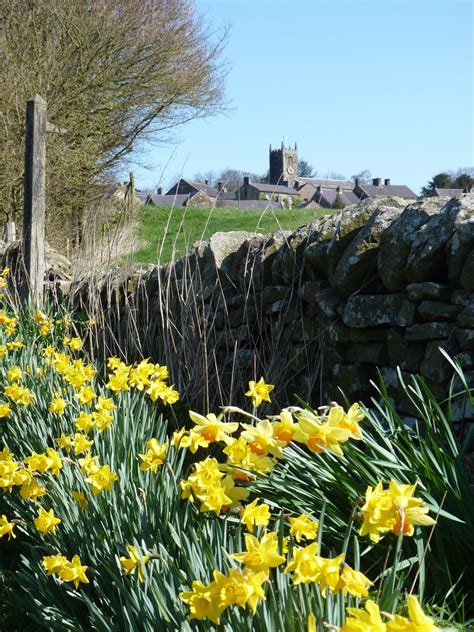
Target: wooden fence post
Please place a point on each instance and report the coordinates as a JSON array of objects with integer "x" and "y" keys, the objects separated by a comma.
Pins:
[{"x": 34, "y": 198}]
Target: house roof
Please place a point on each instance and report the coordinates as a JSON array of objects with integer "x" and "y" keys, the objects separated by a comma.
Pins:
[
  {"x": 448, "y": 192},
  {"x": 199, "y": 186},
  {"x": 330, "y": 195},
  {"x": 273, "y": 188},
  {"x": 327, "y": 183},
  {"x": 394, "y": 190},
  {"x": 167, "y": 200}
]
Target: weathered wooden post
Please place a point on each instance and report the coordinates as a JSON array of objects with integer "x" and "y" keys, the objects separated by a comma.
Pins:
[{"x": 35, "y": 198}]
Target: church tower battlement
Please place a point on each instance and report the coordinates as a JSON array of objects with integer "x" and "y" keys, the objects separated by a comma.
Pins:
[{"x": 283, "y": 165}]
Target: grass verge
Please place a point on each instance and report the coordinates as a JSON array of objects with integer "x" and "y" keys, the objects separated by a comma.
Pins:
[{"x": 170, "y": 232}]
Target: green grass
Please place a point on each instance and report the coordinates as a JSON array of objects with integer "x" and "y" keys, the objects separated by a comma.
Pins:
[{"x": 167, "y": 233}]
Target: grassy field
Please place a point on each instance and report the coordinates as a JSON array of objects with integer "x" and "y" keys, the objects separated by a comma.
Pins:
[{"x": 166, "y": 233}]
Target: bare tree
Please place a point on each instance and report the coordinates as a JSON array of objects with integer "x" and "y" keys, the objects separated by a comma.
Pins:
[
  {"x": 364, "y": 176},
  {"x": 114, "y": 73}
]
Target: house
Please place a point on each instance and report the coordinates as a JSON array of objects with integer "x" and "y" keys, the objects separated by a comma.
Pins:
[
  {"x": 377, "y": 189},
  {"x": 307, "y": 187},
  {"x": 191, "y": 188},
  {"x": 326, "y": 198},
  {"x": 448, "y": 192},
  {"x": 260, "y": 191}
]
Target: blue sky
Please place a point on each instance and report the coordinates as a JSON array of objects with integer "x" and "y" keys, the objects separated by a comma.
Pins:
[{"x": 384, "y": 85}]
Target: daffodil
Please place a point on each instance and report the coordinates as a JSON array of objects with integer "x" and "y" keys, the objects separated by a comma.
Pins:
[
  {"x": 73, "y": 571},
  {"x": 102, "y": 479},
  {"x": 80, "y": 499},
  {"x": 6, "y": 527},
  {"x": 211, "y": 428},
  {"x": 136, "y": 562},
  {"x": 255, "y": 515},
  {"x": 417, "y": 620},
  {"x": 259, "y": 391},
  {"x": 368, "y": 620},
  {"x": 303, "y": 526},
  {"x": 154, "y": 457},
  {"x": 393, "y": 510},
  {"x": 285, "y": 427},
  {"x": 353, "y": 582},
  {"x": 202, "y": 601},
  {"x": 46, "y": 521},
  {"x": 260, "y": 555},
  {"x": 261, "y": 439}
]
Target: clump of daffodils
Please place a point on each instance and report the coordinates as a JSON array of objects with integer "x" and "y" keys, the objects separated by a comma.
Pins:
[
  {"x": 67, "y": 571},
  {"x": 370, "y": 618},
  {"x": 395, "y": 510}
]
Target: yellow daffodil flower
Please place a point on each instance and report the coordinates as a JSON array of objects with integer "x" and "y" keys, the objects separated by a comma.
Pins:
[
  {"x": 259, "y": 392},
  {"x": 303, "y": 526},
  {"x": 255, "y": 515},
  {"x": 46, "y": 521}
]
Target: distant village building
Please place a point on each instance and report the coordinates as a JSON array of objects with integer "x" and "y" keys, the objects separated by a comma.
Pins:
[
  {"x": 377, "y": 189},
  {"x": 283, "y": 165},
  {"x": 191, "y": 188},
  {"x": 448, "y": 192},
  {"x": 260, "y": 191},
  {"x": 310, "y": 189},
  {"x": 327, "y": 198}
]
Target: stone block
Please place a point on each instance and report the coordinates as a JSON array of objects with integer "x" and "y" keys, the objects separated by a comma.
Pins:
[
  {"x": 353, "y": 380},
  {"x": 244, "y": 314},
  {"x": 466, "y": 317},
  {"x": 396, "y": 241},
  {"x": 428, "y": 291},
  {"x": 274, "y": 293},
  {"x": 435, "y": 366},
  {"x": 327, "y": 301},
  {"x": 307, "y": 292},
  {"x": 395, "y": 390},
  {"x": 341, "y": 333},
  {"x": 369, "y": 310},
  {"x": 438, "y": 311},
  {"x": 429, "y": 253},
  {"x": 465, "y": 338},
  {"x": 429, "y": 331},
  {"x": 305, "y": 330},
  {"x": 462, "y": 297},
  {"x": 369, "y": 352},
  {"x": 466, "y": 279},
  {"x": 357, "y": 267},
  {"x": 406, "y": 355}
]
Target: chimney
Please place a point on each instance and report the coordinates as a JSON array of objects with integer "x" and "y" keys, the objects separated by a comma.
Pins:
[
  {"x": 386, "y": 182},
  {"x": 220, "y": 187},
  {"x": 377, "y": 182},
  {"x": 246, "y": 180},
  {"x": 206, "y": 181},
  {"x": 159, "y": 190},
  {"x": 357, "y": 182}
]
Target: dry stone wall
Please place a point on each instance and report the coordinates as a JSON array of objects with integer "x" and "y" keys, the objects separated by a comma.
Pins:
[{"x": 377, "y": 287}]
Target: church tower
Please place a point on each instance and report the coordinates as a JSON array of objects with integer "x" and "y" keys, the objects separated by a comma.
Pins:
[{"x": 284, "y": 165}]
